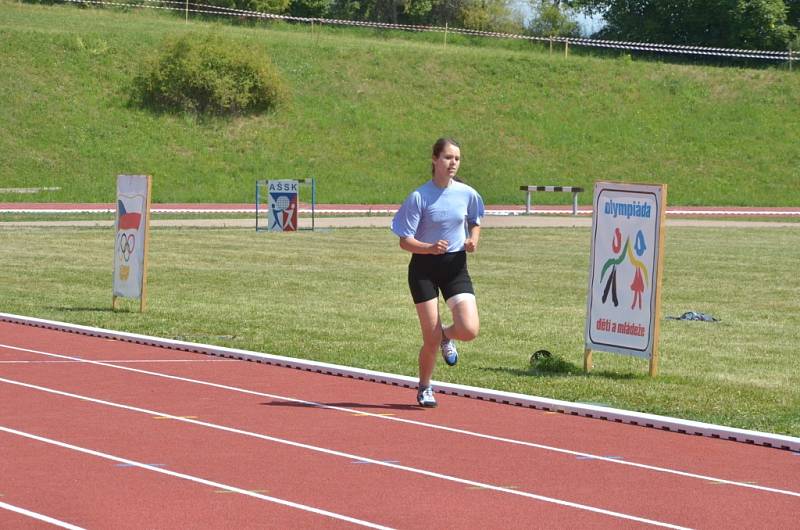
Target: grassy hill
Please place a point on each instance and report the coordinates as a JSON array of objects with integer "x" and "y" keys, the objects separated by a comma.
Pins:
[{"x": 366, "y": 107}]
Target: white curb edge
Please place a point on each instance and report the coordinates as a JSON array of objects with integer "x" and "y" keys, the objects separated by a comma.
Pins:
[{"x": 553, "y": 405}]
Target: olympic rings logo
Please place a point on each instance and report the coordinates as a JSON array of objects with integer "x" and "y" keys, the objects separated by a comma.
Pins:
[{"x": 126, "y": 244}]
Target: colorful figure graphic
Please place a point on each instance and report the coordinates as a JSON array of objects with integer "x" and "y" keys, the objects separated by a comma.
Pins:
[
  {"x": 638, "y": 288},
  {"x": 640, "y": 276},
  {"x": 283, "y": 207},
  {"x": 611, "y": 285}
]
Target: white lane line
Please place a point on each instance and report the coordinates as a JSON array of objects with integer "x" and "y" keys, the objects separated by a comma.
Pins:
[
  {"x": 349, "y": 456},
  {"x": 454, "y": 430},
  {"x": 192, "y": 478},
  {"x": 38, "y": 516},
  {"x": 123, "y": 361}
]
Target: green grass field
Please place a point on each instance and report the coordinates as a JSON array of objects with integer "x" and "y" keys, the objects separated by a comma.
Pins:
[
  {"x": 366, "y": 107},
  {"x": 317, "y": 296}
]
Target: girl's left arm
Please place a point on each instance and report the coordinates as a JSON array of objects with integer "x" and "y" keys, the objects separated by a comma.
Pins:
[{"x": 471, "y": 245}]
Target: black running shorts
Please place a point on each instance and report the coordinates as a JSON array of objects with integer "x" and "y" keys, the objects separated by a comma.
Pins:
[{"x": 430, "y": 273}]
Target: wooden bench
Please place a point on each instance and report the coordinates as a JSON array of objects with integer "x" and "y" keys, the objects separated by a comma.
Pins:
[{"x": 570, "y": 189}]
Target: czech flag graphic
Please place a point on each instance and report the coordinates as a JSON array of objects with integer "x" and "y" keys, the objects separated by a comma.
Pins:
[{"x": 127, "y": 221}]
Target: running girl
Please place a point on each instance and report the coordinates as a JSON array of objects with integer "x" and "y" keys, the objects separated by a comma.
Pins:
[{"x": 438, "y": 224}]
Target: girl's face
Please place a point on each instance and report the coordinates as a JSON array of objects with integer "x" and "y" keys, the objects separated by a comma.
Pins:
[{"x": 446, "y": 164}]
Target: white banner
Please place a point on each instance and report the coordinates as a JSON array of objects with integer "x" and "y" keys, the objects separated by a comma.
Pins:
[
  {"x": 623, "y": 298},
  {"x": 133, "y": 204}
]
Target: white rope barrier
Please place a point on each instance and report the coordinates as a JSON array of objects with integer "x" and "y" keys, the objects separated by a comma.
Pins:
[{"x": 191, "y": 7}]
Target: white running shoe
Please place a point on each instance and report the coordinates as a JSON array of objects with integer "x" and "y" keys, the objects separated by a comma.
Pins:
[
  {"x": 449, "y": 352},
  {"x": 425, "y": 397}
]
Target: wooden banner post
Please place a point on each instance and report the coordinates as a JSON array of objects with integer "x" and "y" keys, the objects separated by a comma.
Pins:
[{"x": 132, "y": 237}]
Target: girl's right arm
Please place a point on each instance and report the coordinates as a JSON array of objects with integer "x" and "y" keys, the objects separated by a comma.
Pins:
[{"x": 418, "y": 247}]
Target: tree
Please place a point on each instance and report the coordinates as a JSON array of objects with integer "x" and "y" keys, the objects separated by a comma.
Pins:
[
  {"x": 490, "y": 15},
  {"x": 445, "y": 11},
  {"x": 262, "y": 6},
  {"x": 794, "y": 13},
  {"x": 392, "y": 11},
  {"x": 762, "y": 24},
  {"x": 550, "y": 19},
  {"x": 417, "y": 10},
  {"x": 309, "y": 8},
  {"x": 759, "y": 24}
]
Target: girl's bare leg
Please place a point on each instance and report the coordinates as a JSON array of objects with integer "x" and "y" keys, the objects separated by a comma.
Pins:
[
  {"x": 466, "y": 323},
  {"x": 431, "y": 327}
]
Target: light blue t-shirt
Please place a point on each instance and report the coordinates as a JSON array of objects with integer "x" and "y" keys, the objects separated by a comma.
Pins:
[{"x": 431, "y": 213}]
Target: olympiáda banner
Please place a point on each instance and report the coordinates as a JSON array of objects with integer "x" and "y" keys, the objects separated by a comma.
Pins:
[{"x": 625, "y": 268}]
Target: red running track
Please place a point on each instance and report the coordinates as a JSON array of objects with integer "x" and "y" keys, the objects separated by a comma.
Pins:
[{"x": 100, "y": 433}]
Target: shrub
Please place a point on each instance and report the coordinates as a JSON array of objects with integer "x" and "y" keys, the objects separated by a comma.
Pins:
[{"x": 207, "y": 74}]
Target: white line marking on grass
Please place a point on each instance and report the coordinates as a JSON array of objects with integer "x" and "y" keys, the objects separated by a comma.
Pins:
[
  {"x": 38, "y": 516},
  {"x": 29, "y": 190},
  {"x": 454, "y": 430},
  {"x": 191, "y": 478},
  {"x": 332, "y": 452}
]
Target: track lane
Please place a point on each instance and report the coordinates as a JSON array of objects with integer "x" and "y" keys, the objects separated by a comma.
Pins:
[
  {"x": 558, "y": 475},
  {"x": 107, "y": 491},
  {"x": 562, "y": 432},
  {"x": 373, "y": 397},
  {"x": 308, "y": 477}
]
